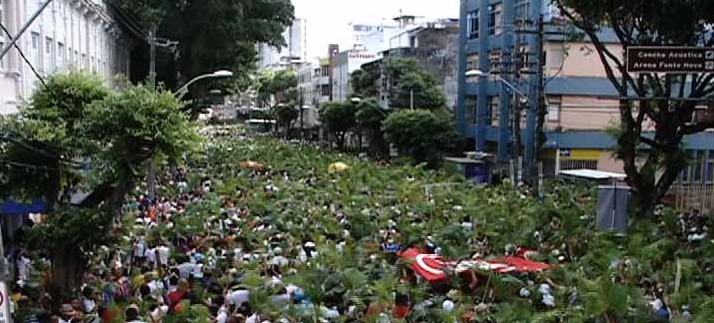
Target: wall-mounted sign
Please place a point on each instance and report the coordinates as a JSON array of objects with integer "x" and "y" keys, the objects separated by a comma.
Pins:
[{"x": 645, "y": 59}]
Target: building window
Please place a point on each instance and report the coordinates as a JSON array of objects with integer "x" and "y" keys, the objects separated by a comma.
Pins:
[
  {"x": 35, "y": 48},
  {"x": 60, "y": 56},
  {"x": 494, "y": 108},
  {"x": 523, "y": 10},
  {"x": 494, "y": 19},
  {"x": 697, "y": 162},
  {"x": 471, "y": 106},
  {"x": 472, "y": 62},
  {"x": 554, "y": 106},
  {"x": 472, "y": 24},
  {"x": 495, "y": 58},
  {"x": 48, "y": 54},
  {"x": 554, "y": 58}
]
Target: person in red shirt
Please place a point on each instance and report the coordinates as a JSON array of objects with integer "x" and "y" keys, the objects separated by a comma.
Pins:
[{"x": 180, "y": 294}]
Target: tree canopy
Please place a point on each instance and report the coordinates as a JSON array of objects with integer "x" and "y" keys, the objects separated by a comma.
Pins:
[
  {"x": 78, "y": 136},
  {"x": 673, "y": 96},
  {"x": 406, "y": 77},
  {"x": 338, "y": 118},
  {"x": 213, "y": 34},
  {"x": 423, "y": 135}
]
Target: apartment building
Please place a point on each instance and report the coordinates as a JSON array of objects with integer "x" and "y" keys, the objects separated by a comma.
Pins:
[{"x": 582, "y": 103}]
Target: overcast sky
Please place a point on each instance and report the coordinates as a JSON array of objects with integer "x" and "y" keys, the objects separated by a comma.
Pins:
[{"x": 327, "y": 20}]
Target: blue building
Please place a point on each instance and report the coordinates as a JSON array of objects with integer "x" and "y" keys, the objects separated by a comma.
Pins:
[{"x": 499, "y": 47}]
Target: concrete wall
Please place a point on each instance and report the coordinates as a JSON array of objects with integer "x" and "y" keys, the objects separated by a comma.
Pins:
[{"x": 576, "y": 59}]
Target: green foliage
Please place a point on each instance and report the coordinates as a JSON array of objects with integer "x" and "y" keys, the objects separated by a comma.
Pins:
[
  {"x": 363, "y": 83},
  {"x": 650, "y": 23},
  {"x": 82, "y": 229},
  {"x": 423, "y": 135},
  {"x": 407, "y": 78},
  {"x": 338, "y": 118},
  {"x": 369, "y": 118},
  {"x": 213, "y": 34},
  {"x": 48, "y": 135},
  {"x": 137, "y": 124},
  {"x": 280, "y": 85},
  {"x": 285, "y": 115}
]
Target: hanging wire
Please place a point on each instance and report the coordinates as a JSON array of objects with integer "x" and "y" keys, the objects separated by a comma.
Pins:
[
  {"x": 26, "y": 166},
  {"x": 42, "y": 80}
]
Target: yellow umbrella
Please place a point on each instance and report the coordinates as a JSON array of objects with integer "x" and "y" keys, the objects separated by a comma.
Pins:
[{"x": 338, "y": 167}]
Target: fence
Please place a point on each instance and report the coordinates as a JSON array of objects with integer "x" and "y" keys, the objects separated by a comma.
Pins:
[{"x": 690, "y": 197}]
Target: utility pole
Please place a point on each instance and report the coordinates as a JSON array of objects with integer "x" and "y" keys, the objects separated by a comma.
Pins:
[
  {"x": 411, "y": 99},
  {"x": 151, "y": 177},
  {"x": 542, "y": 110}
]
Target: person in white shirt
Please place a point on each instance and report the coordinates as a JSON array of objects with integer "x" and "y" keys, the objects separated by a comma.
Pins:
[
  {"x": 222, "y": 315},
  {"x": 150, "y": 256},
  {"x": 23, "y": 266},
  {"x": 140, "y": 250},
  {"x": 238, "y": 297},
  {"x": 163, "y": 252}
]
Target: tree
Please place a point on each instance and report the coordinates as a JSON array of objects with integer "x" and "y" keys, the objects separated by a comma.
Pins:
[
  {"x": 369, "y": 119},
  {"x": 363, "y": 83},
  {"x": 650, "y": 23},
  {"x": 49, "y": 135},
  {"x": 279, "y": 85},
  {"x": 410, "y": 80},
  {"x": 80, "y": 136},
  {"x": 423, "y": 135},
  {"x": 215, "y": 34},
  {"x": 339, "y": 119},
  {"x": 285, "y": 115}
]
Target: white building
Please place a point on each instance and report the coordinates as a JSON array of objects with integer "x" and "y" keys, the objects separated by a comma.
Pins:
[
  {"x": 294, "y": 51},
  {"x": 342, "y": 67},
  {"x": 314, "y": 83},
  {"x": 69, "y": 34}
]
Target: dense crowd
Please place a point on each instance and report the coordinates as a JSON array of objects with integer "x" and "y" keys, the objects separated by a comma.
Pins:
[{"x": 203, "y": 250}]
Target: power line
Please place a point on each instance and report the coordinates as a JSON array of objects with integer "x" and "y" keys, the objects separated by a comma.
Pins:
[
  {"x": 26, "y": 166},
  {"x": 24, "y": 57}
]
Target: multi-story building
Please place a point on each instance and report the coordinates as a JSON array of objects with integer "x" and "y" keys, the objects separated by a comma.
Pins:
[
  {"x": 69, "y": 34},
  {"x": 321, "y": 83},
  {"x": 342, "y": 65},
  {"x": 582, "y": 103},
  {"x": 290, "y": 55},
  {"x": 434, "y": 46}
]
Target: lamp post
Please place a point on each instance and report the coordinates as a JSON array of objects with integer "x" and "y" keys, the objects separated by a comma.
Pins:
[
  {"x": 181, "y": 93},
  {"x": 217, "y": 74},
  {"x": 516, "y": 159},
  {"x": 358, "y": 100}
]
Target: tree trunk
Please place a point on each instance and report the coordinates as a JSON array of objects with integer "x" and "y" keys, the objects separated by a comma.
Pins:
[{"x": 65, "y": 273}]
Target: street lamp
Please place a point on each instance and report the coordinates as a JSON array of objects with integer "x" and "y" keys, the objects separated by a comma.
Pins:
[
  {"x": 516, "y": 168},
  {"x": 357, "y": 100},
  {"x": 217, "y": 74},
  {"x": 481, "y": 74}
]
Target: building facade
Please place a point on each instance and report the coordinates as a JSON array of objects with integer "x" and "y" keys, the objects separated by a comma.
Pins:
[
  {"x": 581, "y": 101},
  {"x": 435, "y": 46},
  {"x": 342, "y": 66},
  {"x": 68, "y": 35},
  {"x": 290, "y": 55}
]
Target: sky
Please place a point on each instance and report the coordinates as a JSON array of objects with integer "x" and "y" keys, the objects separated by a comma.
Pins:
[{"x": 328, "y": 20}]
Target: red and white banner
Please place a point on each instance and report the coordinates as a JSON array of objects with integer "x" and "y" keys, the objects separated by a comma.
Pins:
[{"x": 433, "y": 267}]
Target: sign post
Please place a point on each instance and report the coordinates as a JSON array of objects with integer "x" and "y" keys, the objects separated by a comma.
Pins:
[
  {"x": 672, "y": 60},
  {"x": 4, "y": 304}
]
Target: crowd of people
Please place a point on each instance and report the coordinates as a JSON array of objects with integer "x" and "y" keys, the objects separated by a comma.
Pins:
[{"x": 204, "y": 252}]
